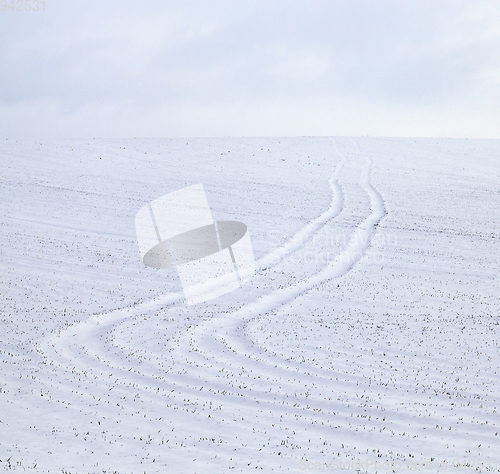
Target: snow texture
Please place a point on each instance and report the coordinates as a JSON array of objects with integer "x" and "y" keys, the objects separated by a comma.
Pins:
[{"x": 367, "y": 339}]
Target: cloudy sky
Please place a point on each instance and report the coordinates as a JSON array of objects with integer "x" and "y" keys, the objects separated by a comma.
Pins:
[{"x": 126, "y": 68}]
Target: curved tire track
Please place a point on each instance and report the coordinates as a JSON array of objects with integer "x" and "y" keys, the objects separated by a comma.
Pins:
[{"x": 212, "y": 352}]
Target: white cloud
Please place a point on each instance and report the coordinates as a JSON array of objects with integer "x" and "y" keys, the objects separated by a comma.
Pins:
[{"x": 247, "y": 68}]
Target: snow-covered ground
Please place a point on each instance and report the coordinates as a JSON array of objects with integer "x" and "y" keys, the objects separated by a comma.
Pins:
[{"x": 368, "y": 338}]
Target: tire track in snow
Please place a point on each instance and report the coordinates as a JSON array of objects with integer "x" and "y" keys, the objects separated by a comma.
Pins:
[
  {"x": 203, "y": 354},
  {"x": 272, "y": 258},
  {"x": 77, "y": 362},
  {"x": 85, "y": 339},
  {"x": 228, "y": 330},
  {"x": 302, "y": 236},
  {"x": 97, "y": 326},
  {"x": 219, "y": 342},
  {"x": 211, "y": 330}
]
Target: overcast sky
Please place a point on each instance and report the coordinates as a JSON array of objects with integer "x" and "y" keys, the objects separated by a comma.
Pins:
[{"x": 216, "y": 68}]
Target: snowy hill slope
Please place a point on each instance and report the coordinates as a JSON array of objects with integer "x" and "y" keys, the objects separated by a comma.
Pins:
[{"x": 369, "y": 333}]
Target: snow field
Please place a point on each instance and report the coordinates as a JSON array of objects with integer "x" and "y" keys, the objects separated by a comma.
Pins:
[{"x": 369, "y": 333}]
